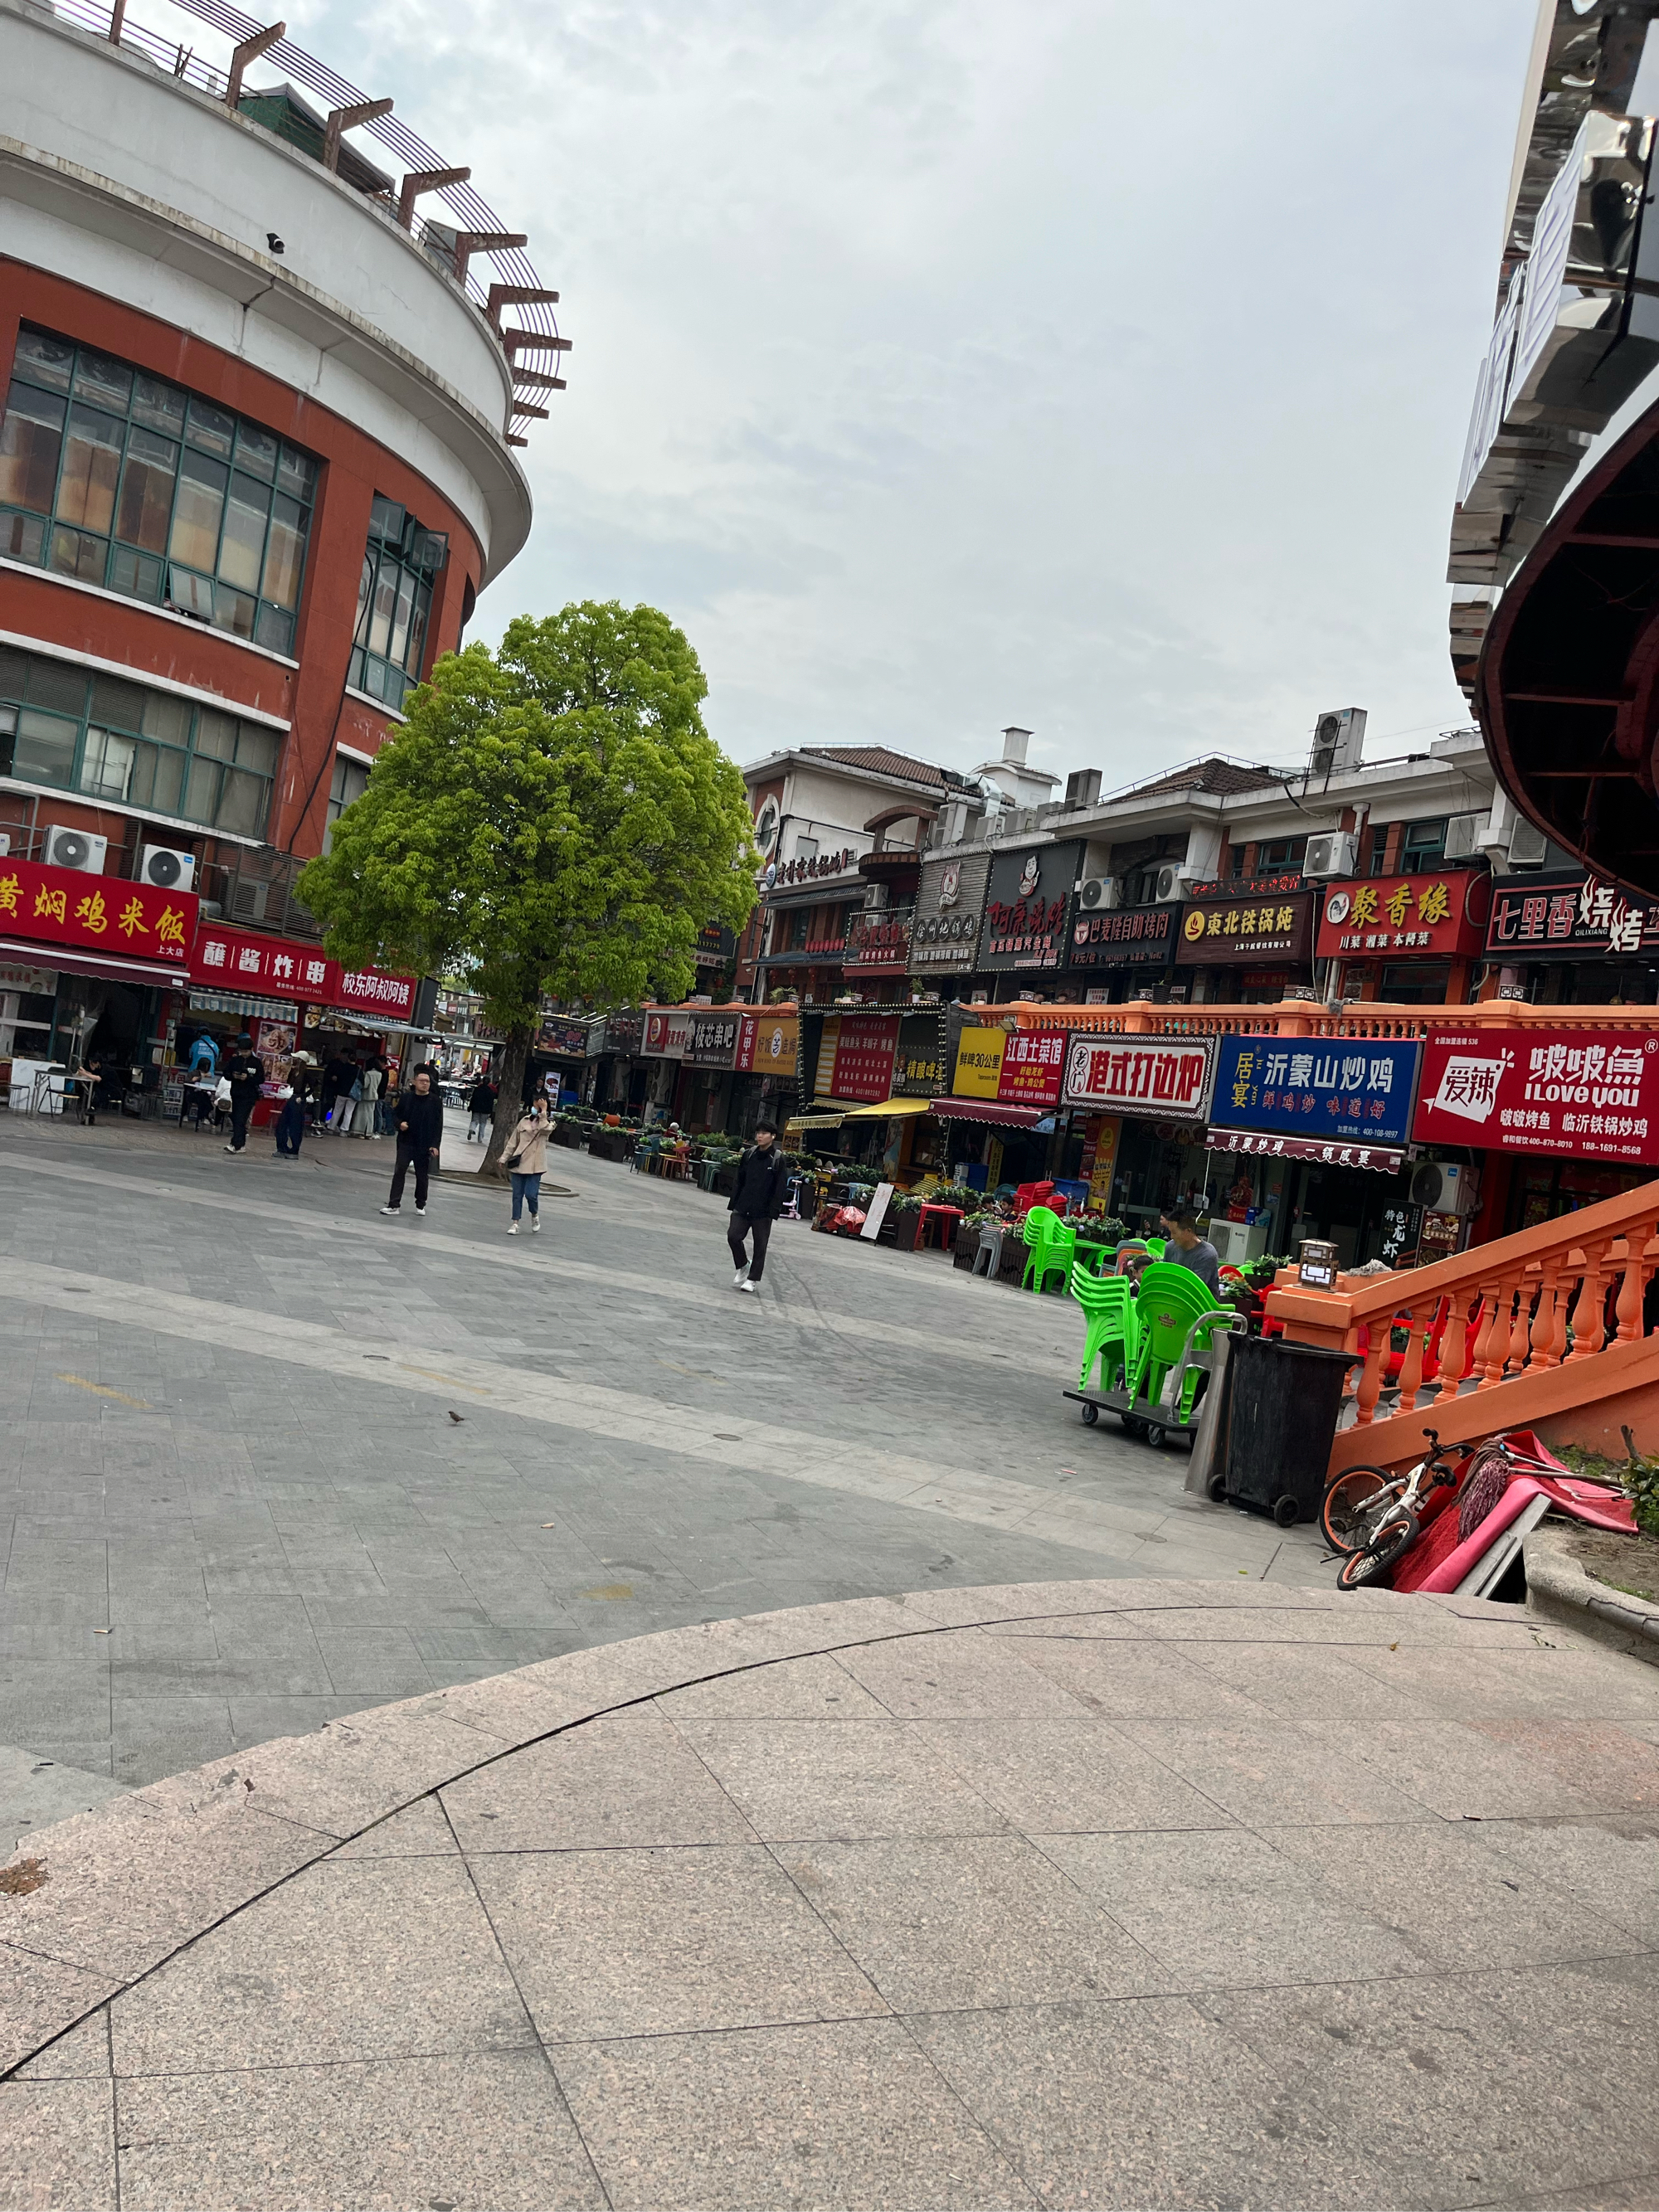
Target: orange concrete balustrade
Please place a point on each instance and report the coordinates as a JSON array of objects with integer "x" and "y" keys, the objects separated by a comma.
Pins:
[
  {"x": 1535, "y": 1330},
  {"x": 1307, "y": 1017}
]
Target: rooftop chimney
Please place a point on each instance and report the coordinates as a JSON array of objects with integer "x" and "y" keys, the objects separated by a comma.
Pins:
[{"x": 1014, "y": 742}]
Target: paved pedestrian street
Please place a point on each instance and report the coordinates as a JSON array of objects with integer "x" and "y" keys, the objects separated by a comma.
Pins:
[{"x": 270, "y": 1458}]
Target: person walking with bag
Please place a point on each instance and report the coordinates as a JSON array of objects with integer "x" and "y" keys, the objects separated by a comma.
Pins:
[
  {"x": 755, "y": 1204},
  {"x": 419, "y": 1118},
  {"x": 480, "y": 1105},
  {"x": 524, "y": 1158}
]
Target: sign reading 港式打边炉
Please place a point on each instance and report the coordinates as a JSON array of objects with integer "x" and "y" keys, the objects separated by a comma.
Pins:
[
  {"x": 1353, "y": 1089},
  {"x": 1156, "y": 1077},
  {"x": 1593, "y": 1094}
]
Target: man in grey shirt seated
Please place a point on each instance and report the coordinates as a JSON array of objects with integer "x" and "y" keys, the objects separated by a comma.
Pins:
[{"x": 1185, "y": 1247}]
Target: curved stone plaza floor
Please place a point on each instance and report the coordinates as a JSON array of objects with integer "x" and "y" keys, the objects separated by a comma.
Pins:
[{"x": 1127, "y": 1893}]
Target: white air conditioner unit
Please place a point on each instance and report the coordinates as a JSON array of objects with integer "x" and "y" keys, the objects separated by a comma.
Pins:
[
  {"x": 170, "y": 871},
  {"x": 5, "y": 843},
  {"x": 74, "y": 848},
  {"x": 1339, "y": 740},
  {"x": 1443, "y": 1187},
  {"x": 1463, "y": 835},
  {"x": 1529, "y": 846},
  {"x": 1333, "y": 854},
  {"x": 1096, "y": 893},
  {"x": 1175, "y": 879}
]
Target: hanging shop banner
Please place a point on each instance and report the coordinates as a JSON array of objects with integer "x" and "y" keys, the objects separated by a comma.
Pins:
[
  {"x": 1028, "y": 909},
  {"x": 919, "y": 1072},
  {"x": 1568, "y": 917},
  {"x": 237, "y": 960},
  {"x": 855, "y": 1057},
  {"x": 1592, "y": 1094},
  {"x": 1217, "y": 933},
  {"x": 1351, "y": 1088},
  {"x": 713, "y": 1040},
  {"x": 1033, "y": 1061},
  {"x": 1149, "y": 1076},
  {"x": 1127, "y": 937},
  {"x": 1382, "y": 1159},
  {"x": 1102, "y": 1134},
  {"x": 667, "y": 1035},
  {"x": 877, "y": 943},
  {"x": 768, "y": 1044},
  {"x": 1435, "y": 917},
  {"x": 568, "y": 1040},
  {"x": 101, "y": 913},
  {"x": 623, "y": 1033},
  {"x": 950, "y": 903}
]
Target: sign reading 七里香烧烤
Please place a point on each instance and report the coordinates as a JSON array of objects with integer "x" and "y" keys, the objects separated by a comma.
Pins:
[
  {"x": 1568, "y": 917},
  {"x": 1434, "y": 917},
  {"x": 1153, "y": 1077},
  {"x": 101, "y": 913},
  {"x": 1356, "y": 1089},
  {"x": 1591, "y": 1093}
]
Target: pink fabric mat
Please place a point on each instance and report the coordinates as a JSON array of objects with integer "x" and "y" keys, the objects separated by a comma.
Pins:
[{"x": 1439, "y": 1561}]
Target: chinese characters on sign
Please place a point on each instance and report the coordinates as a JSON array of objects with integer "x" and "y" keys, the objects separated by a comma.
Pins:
[
  {"x": 232, "y": 960},
  {"x": 1131, "y": 937},
  {"x": 1564, "y": 917},
  {"x": 855, "y": 1057},
  {"x": 769, "y": 1045},
  {"x": 713, "y": 1040},
  {"x": 1587, "y": 1093},
  {"x": 919, "y": 1072},
  {"x": 1345, "y": 1087},
  {"x": 1028, "y": 907},
  {"x": 945, "y": 939},
  {"x": 66, "y": 906},
  {"x": 1383, "y": 1158},
  {"x": 877, "y": 941},
  {"x": 1141, "y": 1075},
  {"x": 1441, "y": 915},
  {"x": 1023, "y": 1069},
  {"x": 666, "y": 1035},
  {"x": 1224, "y": 931}
]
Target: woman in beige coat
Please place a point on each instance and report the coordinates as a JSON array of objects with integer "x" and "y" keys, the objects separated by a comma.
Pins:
[{"x": 524, "y": 1158}]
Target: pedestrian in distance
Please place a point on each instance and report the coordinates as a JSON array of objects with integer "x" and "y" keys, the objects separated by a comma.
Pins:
[
  {"x": 339, "y": 1074},
  {"x": 755, "y": 1204},
  {"x": 291, "y": 1121},
  {"x": 524, "y": 1158},
  {"x": 245, "y": 1073},
  {"x": 94, "y": 1081},
  {"x": 365, "y": 1112},
  {"x": 480, "y": 1105},
  {"x": 419, "y": 1116}
]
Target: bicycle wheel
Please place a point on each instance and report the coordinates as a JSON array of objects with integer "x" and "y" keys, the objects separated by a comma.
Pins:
[
  {"x": 1353, "y": 1505},
  {"x": 1395, "y": 1538}
]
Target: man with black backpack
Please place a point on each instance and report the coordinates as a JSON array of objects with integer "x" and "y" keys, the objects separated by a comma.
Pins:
[{"x": 755, "y": 1204}]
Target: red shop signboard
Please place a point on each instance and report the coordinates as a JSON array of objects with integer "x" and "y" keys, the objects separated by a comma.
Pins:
[
  {"x": 1588, "y": 1094},
  {"x": 1032, "y": 1065},
  {"x": 235, "y": 960},
  {"x": 1432, "y": 917},
  {"x": 99, "y": 914},
  {"x": 862, "y": 1065}
]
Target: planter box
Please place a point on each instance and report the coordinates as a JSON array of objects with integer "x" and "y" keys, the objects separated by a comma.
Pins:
[
  {"x": 725, "y": 1179},
  {"x": 966, "y": 1252},
  {"x": 904, "y": 1229},
  {"x": 1014, "y": 1259}
]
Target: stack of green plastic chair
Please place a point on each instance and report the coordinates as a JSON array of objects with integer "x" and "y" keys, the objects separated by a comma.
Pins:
[
  {"x": 1170, "y": 1300},
  {"x": 1048, "y": 1246},
  {"x": 1109, "y": 1327}
]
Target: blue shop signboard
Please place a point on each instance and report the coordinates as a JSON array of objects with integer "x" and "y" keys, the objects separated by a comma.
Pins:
[{"x": 1350, "y": 1089}]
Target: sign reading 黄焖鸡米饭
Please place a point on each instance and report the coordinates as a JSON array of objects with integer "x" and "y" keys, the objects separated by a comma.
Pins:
[
  {"x": 1436, "y": 916},
  {"x": 1593, "y": 1094},
  {"x": 238, "y": 960},
  {"x": 1576, "y": 916},
  {"x": 1155, "y": 1076},
  {"x": 102, "y": 914},
  {"x": 1351, "y": 1088}
]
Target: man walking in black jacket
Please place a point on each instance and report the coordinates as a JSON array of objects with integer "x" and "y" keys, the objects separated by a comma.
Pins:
[
  {"x": 755, "y": 1204},
  {"x": 420, "y": 1117},
  {"x": 245, "y": 1073}
]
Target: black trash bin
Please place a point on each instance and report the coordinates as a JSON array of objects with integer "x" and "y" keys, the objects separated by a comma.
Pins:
[{"x": 1285, "y": 1398}]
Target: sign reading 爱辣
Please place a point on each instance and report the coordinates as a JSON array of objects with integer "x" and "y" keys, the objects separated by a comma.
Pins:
[
  {"x": 101, "y": 913},
  {"x": 1348, "y": 1088},
  {"x": 1591, "y": 1094},
  {"x": 1149, "y": 1076}
]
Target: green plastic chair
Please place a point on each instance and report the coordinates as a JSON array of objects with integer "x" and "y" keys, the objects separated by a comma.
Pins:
[
  {"x": 1049, "y": 1243},
  {"x": 1170, "y": 1299},
  {"x": 1109, "y": 1327}
]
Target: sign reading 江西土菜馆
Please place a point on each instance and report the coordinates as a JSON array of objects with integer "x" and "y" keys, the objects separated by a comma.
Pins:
[
  {"x": 1356, "y": 1089},
  {"x": 1151, "y": 1076},
  {"x": 1588, "y": 1093}
]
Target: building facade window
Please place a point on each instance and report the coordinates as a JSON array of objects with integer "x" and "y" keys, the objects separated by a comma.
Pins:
[
  {"x": 1280, "y": 856},
  {"x": 394, "y": 601},
  {"x": 1423, "y": 846},
  {"x": 73, "y": 730},
  {"x": 350, "y": 782},
  {"x": 117, "y": 478}
]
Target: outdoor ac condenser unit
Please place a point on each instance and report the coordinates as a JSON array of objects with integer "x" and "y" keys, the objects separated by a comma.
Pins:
[
  {"x": 1463, "y": 833},
  {"x": 1096, "y": 893},
  {"x": 75, "y": 848},
  {"x": 1444, "y": 1187},
  {"x": 1172, "y": 881},
  {"x": 1339, "y": 740},
  {"x": 1333, "y": 854},
  {"x": 167, "y": 868},
  {"x": 1529, "y": 846}
]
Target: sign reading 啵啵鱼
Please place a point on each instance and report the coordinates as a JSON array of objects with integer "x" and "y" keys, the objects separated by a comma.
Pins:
[{"x": 1593, "y": 1094}]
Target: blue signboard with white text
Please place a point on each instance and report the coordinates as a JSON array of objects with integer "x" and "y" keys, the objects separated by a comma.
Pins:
[{"x": 1353, "y": 1089}]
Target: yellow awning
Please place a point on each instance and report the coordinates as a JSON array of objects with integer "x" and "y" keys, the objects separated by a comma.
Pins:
[
  {"x": 890, "y": 1109},
  {"x": 821, "y": 1117}
]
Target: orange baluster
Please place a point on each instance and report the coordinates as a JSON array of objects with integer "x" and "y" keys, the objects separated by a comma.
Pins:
[
  {"x": 1547, "y": 1323},
  {"x": 1483, "y": 1340},
  {"x": 1370, "y": 1378},
  {"x": 1497, "y": 1343},
  {"x": 1587, "y": 1328},
  {"x": 1453, "y": 1343},
  {"x": 1630, "y": 1291},
  {"x": 1411, "y": 1370}
]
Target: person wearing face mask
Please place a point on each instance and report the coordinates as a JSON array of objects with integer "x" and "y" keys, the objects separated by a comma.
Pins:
[{"x": 524, "y": 1158}]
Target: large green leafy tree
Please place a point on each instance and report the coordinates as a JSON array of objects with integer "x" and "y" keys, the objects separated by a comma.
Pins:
[{"x": 552, "y": 820}]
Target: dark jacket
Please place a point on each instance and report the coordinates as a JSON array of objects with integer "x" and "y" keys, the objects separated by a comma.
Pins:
[
  {"x": 482, "y": 1100},
  {"x": 424, "y": 1117},
  {"x": 761, "y": 1183},
  {"x": 245, "y": 1073}
]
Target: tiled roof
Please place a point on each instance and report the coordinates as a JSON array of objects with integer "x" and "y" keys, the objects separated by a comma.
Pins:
[
  {"x": 878, "y": 760},
  {"x": 1221, "y": 779}
]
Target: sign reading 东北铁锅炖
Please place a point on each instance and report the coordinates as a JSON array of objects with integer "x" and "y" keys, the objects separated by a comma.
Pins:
[
  {"x": 1220, "y": 932},
  {"x": 1354, "y": 1089},
  {"x": 1157, "y": 1078},
  {"x": 1591, "y": 1093}
]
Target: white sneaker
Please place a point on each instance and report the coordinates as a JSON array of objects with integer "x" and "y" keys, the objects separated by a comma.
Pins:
[
  {"x": 421, "y": 1212},
  {"x": 748, "y": 1286},
  {"x": 739, "y": 1281},
  {"x": 535, "y": 1225},
  {"x": 392, "y": 1209},
  {"x": 511, "y": 1228}
]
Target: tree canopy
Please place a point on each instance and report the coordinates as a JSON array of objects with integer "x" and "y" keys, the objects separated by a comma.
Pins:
[{"x": 553, "y": 819}]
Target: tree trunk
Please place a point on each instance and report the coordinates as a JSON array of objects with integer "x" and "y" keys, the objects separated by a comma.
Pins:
[{"x": 508, "y": 1101}]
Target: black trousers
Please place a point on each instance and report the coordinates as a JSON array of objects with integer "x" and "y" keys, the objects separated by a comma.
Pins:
[
  {"x": 417, "y": 1156},
  {"x": 241, "y": 1108},
  {"x": 741, "y": 1225}
]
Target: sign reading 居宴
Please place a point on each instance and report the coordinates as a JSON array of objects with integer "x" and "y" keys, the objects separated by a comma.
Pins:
[
  {"x": 1592, "y": 1094},
  {"x": 1149, "y": 1076},
  {"x": 1355, "y": 1089}
]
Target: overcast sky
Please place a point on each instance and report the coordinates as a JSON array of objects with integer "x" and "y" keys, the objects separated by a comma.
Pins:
[{"x": 1096, "y": 366}]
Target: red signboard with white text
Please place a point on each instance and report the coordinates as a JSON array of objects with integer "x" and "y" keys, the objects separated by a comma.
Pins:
[
  {"x": 855, "y": 1057},
  {"x": 1588, "y": 1094},
  {"x": 1032, "y": 1065},
  {"x": 270, "y": 967},
  {"x": 98, "y": 913}
]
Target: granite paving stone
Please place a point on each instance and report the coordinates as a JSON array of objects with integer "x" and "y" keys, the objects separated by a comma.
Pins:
[
  {"x": 57, "y": 2145},
  {"x": 796, "y": 1780}
]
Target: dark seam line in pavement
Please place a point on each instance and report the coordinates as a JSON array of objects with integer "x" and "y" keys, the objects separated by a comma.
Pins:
[
  {"x": 1600, "y": 2181},
  {"x": 537, "y": 2043},
  {"x": 510, "y": 1750}
]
